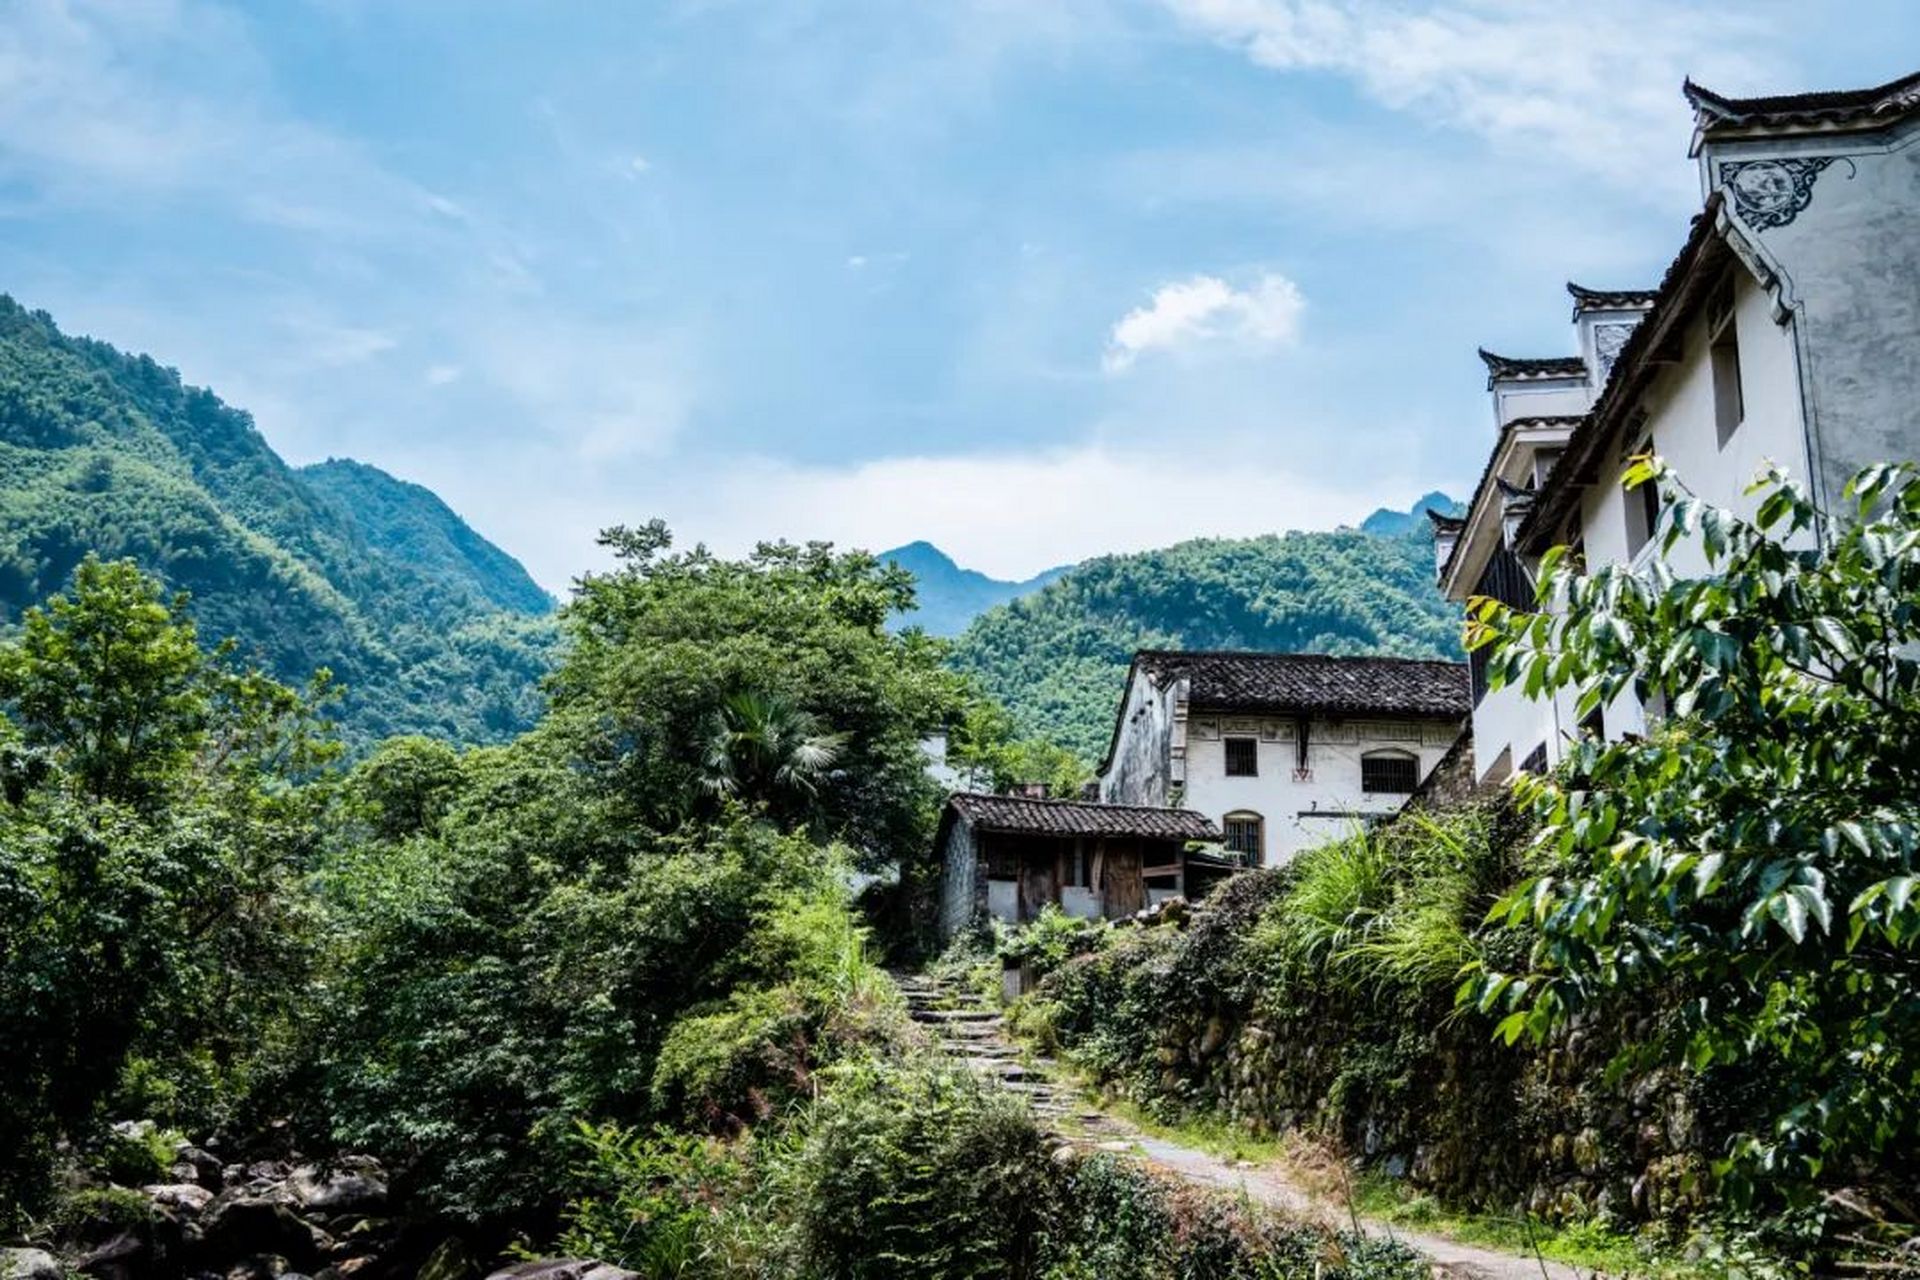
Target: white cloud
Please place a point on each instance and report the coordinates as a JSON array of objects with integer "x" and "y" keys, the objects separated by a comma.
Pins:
[
  {"x": 1207, "y": 309},
  {"x": 440, "y": 375},
  {"x": 1012, "y": 514},
  {"x": 1595, "y": 84}
]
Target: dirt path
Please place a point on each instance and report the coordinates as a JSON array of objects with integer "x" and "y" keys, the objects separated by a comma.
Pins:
[{"x": 969, "y": 1028}]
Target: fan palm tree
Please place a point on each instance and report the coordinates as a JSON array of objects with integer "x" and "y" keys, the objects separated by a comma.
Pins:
[{"x": 764, "y": 748}]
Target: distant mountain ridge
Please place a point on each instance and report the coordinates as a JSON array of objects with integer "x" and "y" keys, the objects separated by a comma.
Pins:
[
  {"x": 949, "y": 596},
  {"x": 431, "y": 628},
  {"x": 1391, "y": 524}
]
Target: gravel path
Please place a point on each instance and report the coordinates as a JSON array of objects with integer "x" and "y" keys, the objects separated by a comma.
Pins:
[{"x": 967, "y": 1027}]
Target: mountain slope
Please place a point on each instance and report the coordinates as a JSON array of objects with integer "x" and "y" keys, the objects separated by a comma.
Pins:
[
  {"x": 950, "y": 597},
  {"x": 1057, "y": 658},
  {"x": 409, "y": 523},
  {"x": 112, "y": 454}
]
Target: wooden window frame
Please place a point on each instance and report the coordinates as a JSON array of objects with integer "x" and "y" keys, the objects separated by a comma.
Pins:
[{"x": 1252, "y": 756}]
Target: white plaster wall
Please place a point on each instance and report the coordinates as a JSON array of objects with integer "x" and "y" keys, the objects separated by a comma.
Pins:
[
  {"x": 1556, "y": 398},
  {"x": 1507, "y": 721},
  {"x": 1334, "y": 752},
  {"x": 1681, "y": 420}
]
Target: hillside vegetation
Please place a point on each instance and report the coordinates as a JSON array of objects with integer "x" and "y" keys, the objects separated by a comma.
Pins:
[
  {"x": 429, "y": 627},
  {"x": 1057, "y": 658}
]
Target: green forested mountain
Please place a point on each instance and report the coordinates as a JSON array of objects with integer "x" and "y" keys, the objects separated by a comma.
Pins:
[
  {"x": 429, "y": 628},
  {"x": 1057, "y": 658},
  {"x": 409, "y": 522}
]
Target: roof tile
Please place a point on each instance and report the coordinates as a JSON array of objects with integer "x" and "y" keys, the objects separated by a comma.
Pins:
[
  {"x": 1315, "y": 682},
  {"x": 1022, "y": 816}
]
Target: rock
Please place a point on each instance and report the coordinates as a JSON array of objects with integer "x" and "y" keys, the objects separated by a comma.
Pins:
[
  {"x": 205, "y": 1165},
  {"x": 121, "y": 1258},
  {"x": 359, "y": 1189},
  {"x": 246, "y": 1227},
  {"x": 30, "y": 1264},
  {"x": 564, "y": 1269},
  {"x": 1064, "y": 1154},
  {"x": 187, "y": 1199}
]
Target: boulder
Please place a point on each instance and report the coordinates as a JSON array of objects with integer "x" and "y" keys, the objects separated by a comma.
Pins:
[
  {"x": 248, "y": 1227},
  {"x": 205, "y": 1165},
  {"x": 30, "y": 1264},
  {"x": 358, "y": 1188},
  {"x": 186, "y": 1199},
  {"x": 122, "y": 1258},
  {"x": 564, "y": 1269}
]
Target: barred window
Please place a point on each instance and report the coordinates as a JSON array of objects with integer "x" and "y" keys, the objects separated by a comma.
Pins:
[
  {"x": 1243, "y": 757},
  {"x": 1392, "y": 771},
  {"x": 1245, "y": 834}
]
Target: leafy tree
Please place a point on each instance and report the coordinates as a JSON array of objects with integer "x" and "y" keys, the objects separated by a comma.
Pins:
[
  {"x": 156, "y": 819},
  {"x": 1752, "y": 858},
  {"x": 109, "y": 679},
  {"x": 659, "y": 645}
]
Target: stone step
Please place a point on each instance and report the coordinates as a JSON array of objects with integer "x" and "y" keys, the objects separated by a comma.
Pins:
[{"x": 955, "y": 1015}]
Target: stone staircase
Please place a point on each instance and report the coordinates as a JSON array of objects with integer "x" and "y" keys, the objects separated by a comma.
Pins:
[{"x": 970, "y": 1029}]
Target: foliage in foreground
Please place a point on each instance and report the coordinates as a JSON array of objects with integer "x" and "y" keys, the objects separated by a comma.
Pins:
[
  {"x": 917, "y": 1170},
  {"x": 1756, "y": 850}
]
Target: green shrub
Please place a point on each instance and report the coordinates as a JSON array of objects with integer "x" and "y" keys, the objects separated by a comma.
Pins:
[
  {"x": 136, "y": 1153},
  {"x": 721, "y": 1066},
  {"x": 1049, "y": 940},
  {"x": 919, "y": 1170},
  {"x": 654, "y": 1202}
]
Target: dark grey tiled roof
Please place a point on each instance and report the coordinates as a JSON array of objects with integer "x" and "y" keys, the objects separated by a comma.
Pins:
[
  {"x": 1532, "y": 366},
  {"x": 1021, "y": 816},
  {"x": 1585, "y": 299},
  {"x": 1315, "y": 682},
  {"x": 1843, "y": 106}
]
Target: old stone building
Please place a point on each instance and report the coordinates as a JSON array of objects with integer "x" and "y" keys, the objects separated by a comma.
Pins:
[
  {"x": 1787, "y": 329},
  {"x": 1283, "y": 750},
  {"x": 1008, "y": 857}
]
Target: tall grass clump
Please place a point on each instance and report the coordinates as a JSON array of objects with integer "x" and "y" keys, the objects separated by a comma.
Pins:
[{"x": 1394, "y": 909}]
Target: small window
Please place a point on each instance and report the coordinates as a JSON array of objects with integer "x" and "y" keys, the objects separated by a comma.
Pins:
[
  {"x": 1245, "y": 834},
  {"x": 1391, "y": 772},
  {"x": 1643, "y": 506},
  {"x": 1243, "y": 757},
  {"x": 1723, "y": 350}
]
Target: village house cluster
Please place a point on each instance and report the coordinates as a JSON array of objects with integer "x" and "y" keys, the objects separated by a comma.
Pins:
[{"x": 1786, "y": 331}]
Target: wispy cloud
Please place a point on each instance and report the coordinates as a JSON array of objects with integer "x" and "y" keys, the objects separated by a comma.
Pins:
[
  {"x": 1595, "y": 84},
  {"x": 1206, "y": 309}
]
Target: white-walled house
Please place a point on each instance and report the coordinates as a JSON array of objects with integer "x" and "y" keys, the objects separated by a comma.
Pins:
[
  {"x": 1787, "y": 329},
  {"x": 1281, "y": 750}
]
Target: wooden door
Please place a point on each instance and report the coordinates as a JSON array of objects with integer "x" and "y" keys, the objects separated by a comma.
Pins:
[{"x": 1125, "y": 890}]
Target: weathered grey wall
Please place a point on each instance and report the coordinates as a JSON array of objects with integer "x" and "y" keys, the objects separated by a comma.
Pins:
[
  {"x": 1141, "y": 771},
  {"x": 1848, "y": 264},
  {"x": 962, "y": 882}
]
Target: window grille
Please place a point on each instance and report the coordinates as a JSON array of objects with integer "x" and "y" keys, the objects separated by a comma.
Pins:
[
  {"x": 1243, "y": 757},
  {"x": 1244, "y": 835},
  {"x": 1394, "y": 774}
]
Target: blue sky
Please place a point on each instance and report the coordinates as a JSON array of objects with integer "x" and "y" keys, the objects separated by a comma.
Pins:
[{"x": 1034, "y": 279}]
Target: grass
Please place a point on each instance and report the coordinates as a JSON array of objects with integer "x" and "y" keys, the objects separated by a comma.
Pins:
[{"x": 1587, "y": 1246}]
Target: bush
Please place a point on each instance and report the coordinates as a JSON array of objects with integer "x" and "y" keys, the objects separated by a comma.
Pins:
[{"x": 1049, "y": 940}]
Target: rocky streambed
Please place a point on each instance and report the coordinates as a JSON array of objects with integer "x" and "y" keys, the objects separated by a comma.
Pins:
[{"x": 215, "y": 1218}]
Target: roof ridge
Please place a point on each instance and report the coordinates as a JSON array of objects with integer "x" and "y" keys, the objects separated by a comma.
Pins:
[
  {"x": 1062, "y": 801},
  {"x": 1289, "y": 654},
  {"x": 1894, "y": 93}
]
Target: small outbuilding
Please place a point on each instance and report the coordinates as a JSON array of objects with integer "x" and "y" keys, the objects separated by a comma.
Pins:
[{"x": 1006, "y": 857}]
